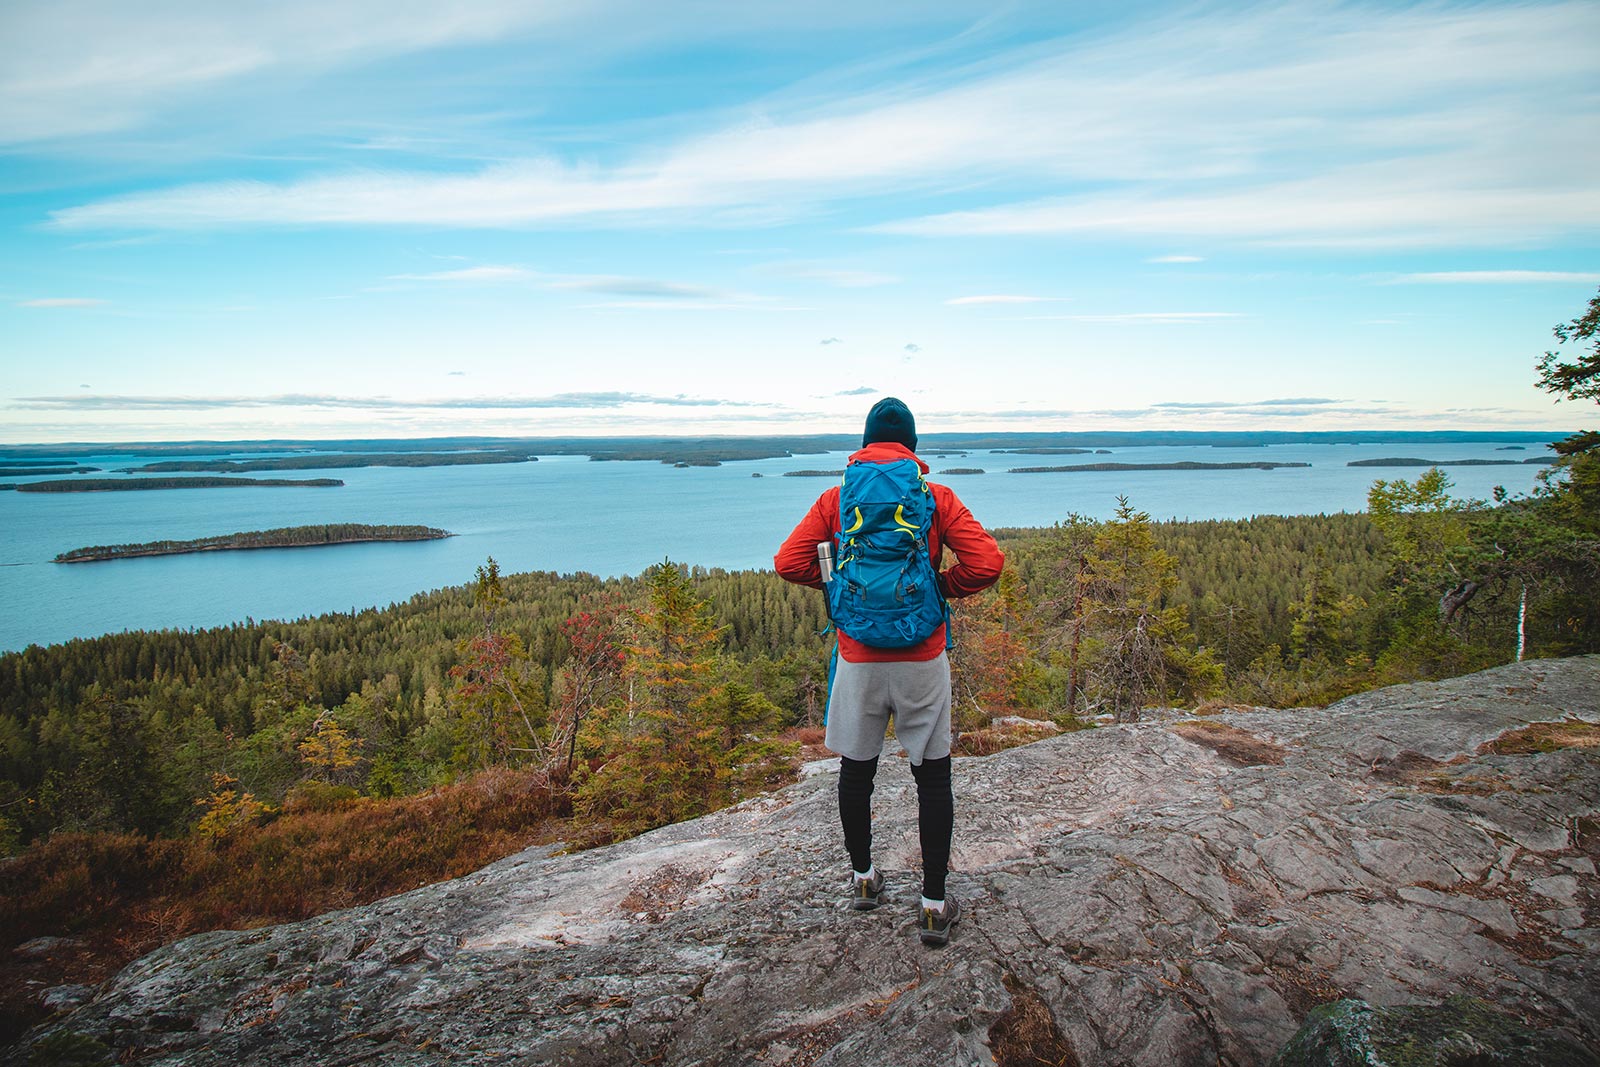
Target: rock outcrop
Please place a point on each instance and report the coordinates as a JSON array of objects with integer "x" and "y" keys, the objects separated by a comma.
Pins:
[{"x": 1172, "y": 892}]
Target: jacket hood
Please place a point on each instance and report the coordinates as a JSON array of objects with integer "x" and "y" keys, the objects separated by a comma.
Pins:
[{"x": 886, "y": 452}]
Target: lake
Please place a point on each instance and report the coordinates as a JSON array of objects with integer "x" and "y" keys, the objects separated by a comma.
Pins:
[{"x": 567, "y": 513}]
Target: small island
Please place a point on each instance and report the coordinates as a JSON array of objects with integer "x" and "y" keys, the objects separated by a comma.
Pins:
[
  {"x": 26, "y": 469},
  {"x": 115, "y": 485},
  {"x": 344, "y": 533},
  {"x": 332, "y": 461},
  {"x": 813, "y": 474},
  {"x": 962, "y": 470},
  {"x": 1184, "y": 466}
]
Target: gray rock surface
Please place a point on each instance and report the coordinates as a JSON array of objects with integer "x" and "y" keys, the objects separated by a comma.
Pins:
[{"x": 1159, "y": 893}]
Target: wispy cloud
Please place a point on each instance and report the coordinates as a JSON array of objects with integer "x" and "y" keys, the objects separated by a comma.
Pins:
[
  {"x": 865, "y": 390},
  {"x": 1219, "y": 405},
  {"x": 61, "y": 302},
  {"x": 1176, "y": 259},
  {"x": 1331, "y": 126},
  {"x": 1000, "y": 298},
  {"x": 913, "y": 348},
  {"x": 838, "y": 277},
  {"x": 1500, "y": 277},
  {"x": 684, "y": 304},
  {"x": 1170, "y": 414},
  {"x": 576, "y": 400},
  {"x": 98, "y": 65},
  {"x": 1158, "y": 318},
  {"x": 652, "y": 292},
  {"x": 470, "y": 274},
  {"x": 616, "y": 285},
  {"x": 830, "y": 341}
]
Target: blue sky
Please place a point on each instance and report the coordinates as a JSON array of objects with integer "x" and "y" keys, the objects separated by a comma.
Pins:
[{"x": 409, "y": 218}]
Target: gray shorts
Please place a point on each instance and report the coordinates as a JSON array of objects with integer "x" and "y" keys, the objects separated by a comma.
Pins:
[{"x": 865, "y": 695}]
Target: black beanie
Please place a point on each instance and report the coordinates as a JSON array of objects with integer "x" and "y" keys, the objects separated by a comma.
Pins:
[{"x": 890, "y": 420}]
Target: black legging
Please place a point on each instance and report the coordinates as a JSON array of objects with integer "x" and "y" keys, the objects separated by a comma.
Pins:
[{"x": 936, "y": 817}]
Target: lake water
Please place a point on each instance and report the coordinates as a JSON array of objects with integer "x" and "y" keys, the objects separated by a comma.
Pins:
[{"x": 567, "y": 513}]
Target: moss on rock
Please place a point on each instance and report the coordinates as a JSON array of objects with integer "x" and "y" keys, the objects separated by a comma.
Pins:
[{"x": 1461, "y": 1032}]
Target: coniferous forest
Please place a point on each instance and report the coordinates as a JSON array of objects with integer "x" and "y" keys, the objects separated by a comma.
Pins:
[{"x": 154, "y": 784}]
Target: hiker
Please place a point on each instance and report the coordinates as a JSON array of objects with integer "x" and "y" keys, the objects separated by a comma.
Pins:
[{"x": 892, "y": 661}]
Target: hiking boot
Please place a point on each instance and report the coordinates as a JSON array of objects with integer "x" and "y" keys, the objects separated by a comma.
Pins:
[
  {"x": 936, "y": 925},
  {"x": 865, "y": 894}
]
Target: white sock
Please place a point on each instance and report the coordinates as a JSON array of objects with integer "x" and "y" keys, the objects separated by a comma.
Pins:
[
  {"x": 872, "y": 869},
  {"x": 933, "y": 905}
]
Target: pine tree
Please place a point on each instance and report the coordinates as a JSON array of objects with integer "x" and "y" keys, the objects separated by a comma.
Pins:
[
  {"x": 1139, "y": 642},
  {"x": 682, "y": 743},
  {"x": 499, "y": 699}
]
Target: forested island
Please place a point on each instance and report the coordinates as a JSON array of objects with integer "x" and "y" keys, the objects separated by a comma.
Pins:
[
  {"x": 347, "y": 533},
  {"x": 23, "y": 470},
  {"x": 1187, "y": 465},
  {"x": 116, "y": 485},
  {"x": 1412, "y": 461},
  {"x": 325, "y": 462},
  {"x": 813, "y": 474}
]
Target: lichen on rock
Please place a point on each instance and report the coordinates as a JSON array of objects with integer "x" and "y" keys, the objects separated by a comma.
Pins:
[{"x": 1463, "y": 1031}]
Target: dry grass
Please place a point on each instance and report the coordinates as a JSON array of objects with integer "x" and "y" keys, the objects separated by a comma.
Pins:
[
  {"x": 1027, "y": 1035},
  {"x": 118, "y": 896},
  {"x": 1002, "y": 735},
  {"x": 1217, "y": 707},
  {"x": 1239, "y": 747},
  {"x": 1544, "y": 737}
]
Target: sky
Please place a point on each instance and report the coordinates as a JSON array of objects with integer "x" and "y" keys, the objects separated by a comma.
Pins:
[{"x": 400, "y": 218}]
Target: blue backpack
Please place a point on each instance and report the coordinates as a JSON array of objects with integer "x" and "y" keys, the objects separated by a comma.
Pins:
[{"x": 885, "y": 592}]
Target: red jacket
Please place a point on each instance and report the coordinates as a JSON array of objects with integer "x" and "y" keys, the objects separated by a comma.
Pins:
[{"x": 978, "y": 558}]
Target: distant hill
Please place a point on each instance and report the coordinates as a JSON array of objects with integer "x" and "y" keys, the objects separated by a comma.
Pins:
[{"x": 675, "y": 449}]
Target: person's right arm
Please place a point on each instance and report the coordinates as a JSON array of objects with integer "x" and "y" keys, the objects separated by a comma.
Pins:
[{"x": 796, "y": 560}]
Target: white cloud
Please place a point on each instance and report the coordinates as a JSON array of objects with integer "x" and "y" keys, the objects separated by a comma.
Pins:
[
  {"x": 1394, "y": 204},
  {"x": 617, "y": 285},
  {"x": 1176, "y": 259},
  {"x": 690, "y": 305},
  {"x": 1152, "y": 317},
  {"x": 1299, "y": 124},
  {"x": 583, "y": 400},
  {"x": 470, "y": 274},
  {"x": 1000, "y": 298},
  {"x": 1500, "y": 277},
  {"x": 839, "y": 277},
  {"x": 76, "y": 67},
  {"x": 61, "y": 302}
]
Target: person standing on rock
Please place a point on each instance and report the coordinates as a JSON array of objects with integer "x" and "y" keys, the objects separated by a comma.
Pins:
[{"x": 875, "y": 545}]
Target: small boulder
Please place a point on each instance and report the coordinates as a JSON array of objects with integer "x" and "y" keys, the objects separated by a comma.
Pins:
[
  {"x": 42, "y": 947},
  {"x": 65, "y": 997}
]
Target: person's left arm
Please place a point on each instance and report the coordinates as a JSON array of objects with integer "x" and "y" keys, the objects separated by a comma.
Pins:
[{"x": 978, "y": 557}]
